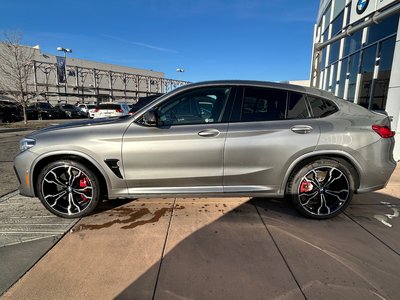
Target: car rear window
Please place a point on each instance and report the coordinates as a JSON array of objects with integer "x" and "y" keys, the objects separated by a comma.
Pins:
[
  {"x": 261, "y": 104},
  {"x": 109, "y": 106},
  {"x": 321, "y": 107}
]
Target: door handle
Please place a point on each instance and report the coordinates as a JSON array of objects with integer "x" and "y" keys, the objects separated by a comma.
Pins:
[
  {"x": 302, "y": 129},
  {"x": 209, "y": 133}
]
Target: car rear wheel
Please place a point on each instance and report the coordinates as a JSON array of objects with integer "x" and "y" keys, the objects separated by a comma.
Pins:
[
  {"x": 321, "y": 189},
  {"x": 68, "y": 189}
]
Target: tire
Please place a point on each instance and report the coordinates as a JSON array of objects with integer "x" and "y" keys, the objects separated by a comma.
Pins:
[
  {"x": 68, "y": 189},
  {"x": 321, "y": 189}
]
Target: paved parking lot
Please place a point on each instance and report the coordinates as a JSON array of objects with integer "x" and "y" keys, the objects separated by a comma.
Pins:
[{"x": 208, "y": 248}]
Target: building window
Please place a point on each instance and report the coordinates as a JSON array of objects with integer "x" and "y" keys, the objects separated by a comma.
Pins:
[
  {"x": 323, "y": 58},
  {"x": 381, "y": 86},
  {"x": 352, "y": 43},
  {"x": 386, "y": 28},
  {"x": 368, "y": 59},
  {"x": 327, "y": 18},
  {"x": 337, "y": 24},
  {"x": 334, "y": 52}
]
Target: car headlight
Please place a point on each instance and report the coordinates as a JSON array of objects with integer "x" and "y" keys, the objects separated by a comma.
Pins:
[{"x": 26, "y": 143}]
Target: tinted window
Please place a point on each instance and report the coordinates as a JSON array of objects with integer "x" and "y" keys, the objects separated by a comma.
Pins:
[
  {"x": 68, "y": 106},
  {"x": 337, "y": 24},
  {"x": 196, "y": 107},
  {"x": 263, "y": 105},
  {"x": 45, "y": 105},
  {"x": 383, "y": 29},
  {"x": 297, "y": 107},
  {"x": 321, "y": 107},
  {"x": 109, "y": 106}
]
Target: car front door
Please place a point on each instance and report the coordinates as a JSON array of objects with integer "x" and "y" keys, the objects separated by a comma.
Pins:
[
  {"x": 269, "y": 129},
  {"x": 184, "y": 152}
]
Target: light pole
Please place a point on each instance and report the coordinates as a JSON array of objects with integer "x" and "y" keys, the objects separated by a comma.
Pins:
[
  {"x": 65, "y": 50},
  {"x": 180, "y": 70}
]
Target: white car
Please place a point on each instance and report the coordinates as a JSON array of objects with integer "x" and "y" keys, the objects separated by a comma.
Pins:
[
  {"x": 88, "y": 109},
  {"x": 110, "y": 109}
]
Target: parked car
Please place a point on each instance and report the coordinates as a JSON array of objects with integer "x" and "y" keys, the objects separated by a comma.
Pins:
[
  {"x": 42, "y": 110},
  {"x": 219, "y": 138},
  {"x": 110, "y": 109},
  {"x": 69, "y": 111},
  {"x": 87, "y": 108},
  {"x": 10, "y": 112},
  {"x": 142, "y": 102}
]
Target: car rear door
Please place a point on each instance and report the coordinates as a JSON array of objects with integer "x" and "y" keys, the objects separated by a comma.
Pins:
[{"x": 269, "y": 129}]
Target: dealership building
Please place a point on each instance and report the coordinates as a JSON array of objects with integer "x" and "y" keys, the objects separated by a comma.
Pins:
[{"x": 356, "y": 54}]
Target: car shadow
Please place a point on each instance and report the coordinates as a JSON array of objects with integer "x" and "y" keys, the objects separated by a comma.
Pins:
[{"x": 239, "y": 256}]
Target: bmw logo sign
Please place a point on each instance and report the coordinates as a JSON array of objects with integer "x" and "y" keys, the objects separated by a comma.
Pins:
[{"x": 361, "y": 6}]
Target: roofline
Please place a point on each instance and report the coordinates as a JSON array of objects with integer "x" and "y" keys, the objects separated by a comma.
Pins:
[{"x": 265, "y": 84}]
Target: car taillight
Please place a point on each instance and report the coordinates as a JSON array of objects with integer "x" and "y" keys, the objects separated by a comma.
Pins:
[
  {"x": 119, "y": 110},
  {"x": 383, "y": 131},
  {"x": 96, "y": 109}
]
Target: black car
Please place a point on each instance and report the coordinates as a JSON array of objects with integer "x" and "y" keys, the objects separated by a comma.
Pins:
[
  {"x": 142, "y": 102},
  {"x": 69, "y": 111},
  {"x": 10, "y": 112},
  {"x": 42, "y": 110}
]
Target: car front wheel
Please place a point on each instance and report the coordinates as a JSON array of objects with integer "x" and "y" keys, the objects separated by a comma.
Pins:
[
  {"x": 68, "y": 189},
  {"x": 321, "y": 189}
]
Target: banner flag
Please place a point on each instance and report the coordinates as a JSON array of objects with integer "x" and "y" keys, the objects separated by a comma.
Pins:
[{"x": 61, "y": 69}]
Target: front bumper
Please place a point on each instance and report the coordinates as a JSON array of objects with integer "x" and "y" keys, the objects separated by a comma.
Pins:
[{"x": 23, "y": 163}]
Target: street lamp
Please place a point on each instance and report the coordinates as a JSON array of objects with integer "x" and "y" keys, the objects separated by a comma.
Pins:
[
  {"x": 180, "y": 70},
  {"x": 65, "y": 50}
]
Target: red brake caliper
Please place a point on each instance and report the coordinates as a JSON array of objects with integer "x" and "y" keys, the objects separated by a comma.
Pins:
[
  {"x": 305, "y": 186},
  {"x": 83, "y": 183}
]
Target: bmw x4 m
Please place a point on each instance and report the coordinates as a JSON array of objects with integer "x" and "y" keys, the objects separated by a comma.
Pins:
[{"x": 219, "y": 138}]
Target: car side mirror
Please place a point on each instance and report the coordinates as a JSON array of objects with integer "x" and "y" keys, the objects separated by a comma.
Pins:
[{"x": 150, "y": 118}]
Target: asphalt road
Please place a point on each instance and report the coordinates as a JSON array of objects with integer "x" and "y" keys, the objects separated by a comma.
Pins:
[{"x": 230, "y": 248}]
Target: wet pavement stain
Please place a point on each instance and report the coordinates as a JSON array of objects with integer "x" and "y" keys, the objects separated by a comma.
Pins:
[{"x": 132, "y": 219}]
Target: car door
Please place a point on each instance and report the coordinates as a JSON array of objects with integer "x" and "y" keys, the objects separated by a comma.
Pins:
[
  {"x": 184, "y": 153},
  {"x": 269, "y": 129}
]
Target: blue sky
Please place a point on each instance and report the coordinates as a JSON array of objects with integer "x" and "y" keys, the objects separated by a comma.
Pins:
[{"x": 210, "y": 39}]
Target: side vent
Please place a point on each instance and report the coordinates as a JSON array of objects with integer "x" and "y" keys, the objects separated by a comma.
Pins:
[{"x": 113, "y": 165}]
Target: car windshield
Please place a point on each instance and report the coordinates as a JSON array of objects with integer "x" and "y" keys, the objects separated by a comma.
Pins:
[{"x": 68, "y": 106}]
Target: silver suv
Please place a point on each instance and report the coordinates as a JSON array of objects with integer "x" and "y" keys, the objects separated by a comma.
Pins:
[{"x": 229, "y": 138}]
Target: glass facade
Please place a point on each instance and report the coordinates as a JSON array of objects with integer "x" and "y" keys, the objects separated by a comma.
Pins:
[{"x": 357, "y": 67}]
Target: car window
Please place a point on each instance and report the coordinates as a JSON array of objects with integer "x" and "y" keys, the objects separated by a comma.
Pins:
[
  {"x": 297, "y": 107},
  {"x": 321, "y": 107},
  {"x": 110, "y": 106},
  {"x": 196, "y": 107},
  {"x": 45, "y": 105},
  {"x": 260, "y": 104}
]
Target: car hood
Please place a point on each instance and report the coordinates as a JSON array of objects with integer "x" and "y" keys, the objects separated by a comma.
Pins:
[{"x": 83, "y": 123}]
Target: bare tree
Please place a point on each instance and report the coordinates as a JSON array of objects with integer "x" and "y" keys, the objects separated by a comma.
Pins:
[{"x": 16, "y": 69}]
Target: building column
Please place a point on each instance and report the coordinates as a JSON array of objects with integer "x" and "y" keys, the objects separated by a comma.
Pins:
[{"x": 393, "y": 98}]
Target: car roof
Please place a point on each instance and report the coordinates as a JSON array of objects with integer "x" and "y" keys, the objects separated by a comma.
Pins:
[{"x": 265, "y": 84}]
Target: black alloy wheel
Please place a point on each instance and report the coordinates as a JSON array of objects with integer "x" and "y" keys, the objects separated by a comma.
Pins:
[
  {"x": 322, "y": 189},
  {"x": 68, "y": 189}
]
